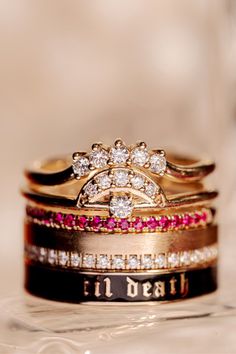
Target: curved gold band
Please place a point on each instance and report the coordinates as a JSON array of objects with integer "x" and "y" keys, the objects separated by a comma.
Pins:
[
  {"x": 175, "y": 201},
  {"x": 59, "y": 170}
]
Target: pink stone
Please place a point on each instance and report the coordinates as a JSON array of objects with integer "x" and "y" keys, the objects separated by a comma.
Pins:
[
  {"x": 96, "y": 223},
  {"x": 197, "y": 218},
  {"x": 175, "y": 222},
  {"x": 82, "y": 222},
  {"x": 187, "y": 220},
  {"x": 69, "y": 220},
  {"x": 58, "y": 218},
  {"x": 204, "y": 216},
  {"x": 109, "y": 224},
  {"x": 152, "y": 223},
  {"x": 138, "y": 224},
  {"x": 37, "y": 213},
  {"x": 164, "y": 222},
  {"x": 124, "y": 224}
]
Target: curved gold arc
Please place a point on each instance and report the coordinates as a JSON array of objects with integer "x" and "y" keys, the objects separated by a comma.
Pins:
[{"x": 142, "y": 198}]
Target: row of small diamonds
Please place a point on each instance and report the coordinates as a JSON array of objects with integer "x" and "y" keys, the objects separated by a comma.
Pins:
[
  {"x": 200, "y": 217},
  {"x": 120, "y": 178},
  {"x": 90, "y": 261},
  {"x": 119, "y": 154}
]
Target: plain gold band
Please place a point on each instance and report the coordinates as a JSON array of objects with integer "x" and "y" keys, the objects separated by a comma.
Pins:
[{"x": 123, "y": 244}]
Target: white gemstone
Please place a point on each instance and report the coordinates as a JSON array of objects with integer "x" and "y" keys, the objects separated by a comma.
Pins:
[
  {"x": 74, "y": 259},
  {"x": 160, "y": 261},
  {"x": 196, "y": 256},
  {"x": 52, "y": 256},
  {"x": 91, "y": 189},
  {"x": 150, "y": 189},
  {"x": 133, "y": 262},
  {"x": 139, "y": 156},
  {"x": 32, "y": 252},
  {"x": 173, "y": 260},
  {"x": 137, "y": 181},
  {"x": 103, "y": 262},
  {"x": 118, "y": 262},
  {"x": 214, "y": 252},
  {"x": 81, "y": 166},
  {"x": 42, "y": 254},
  {"x": 121, "y": 207},
  {"x": 147, "y": 262},
  {"x": 185, "y": 258},
  {"x": 62, "y": 258},
  {"x": 207, "y": 253},
  {"x": 104, "y": 181},
  {"x": 157, "y": 163},
  {"x": 99, "y": 158},
  {"x": 88, "y": 261},
  {"x": 119, "y": 154},
  {"x": 121, "y": 178}
]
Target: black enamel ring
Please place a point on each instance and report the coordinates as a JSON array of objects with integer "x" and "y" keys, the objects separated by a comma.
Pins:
[{"x": 74, "y": 287}]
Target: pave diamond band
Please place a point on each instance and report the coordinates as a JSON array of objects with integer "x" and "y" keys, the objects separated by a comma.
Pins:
[{"x": 158, "y": 261}]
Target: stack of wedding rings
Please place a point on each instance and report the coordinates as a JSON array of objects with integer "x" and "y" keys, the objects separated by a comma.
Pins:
[{"x": 120, "y": 223}]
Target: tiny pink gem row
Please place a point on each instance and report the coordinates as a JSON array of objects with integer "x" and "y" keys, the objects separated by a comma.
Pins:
[{"x": 110, "y": 224}]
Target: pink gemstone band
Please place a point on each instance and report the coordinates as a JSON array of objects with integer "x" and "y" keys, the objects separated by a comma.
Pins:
[{"x": 162, "y": 223}]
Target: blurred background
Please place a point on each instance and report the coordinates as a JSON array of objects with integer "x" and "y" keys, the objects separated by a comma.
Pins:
[{"x": 76, "y": 72}]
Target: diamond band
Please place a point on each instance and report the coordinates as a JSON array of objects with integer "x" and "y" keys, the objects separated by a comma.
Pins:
[{"x": 157, "y": 261}]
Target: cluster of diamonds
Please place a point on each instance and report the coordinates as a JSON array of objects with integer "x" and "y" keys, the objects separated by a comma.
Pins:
[
  {"x": 162, "y": 223},
  {"x": 119, "y": 154},
  {"x": 191, "y": 258},
  {"x": 120, "y": 178}
]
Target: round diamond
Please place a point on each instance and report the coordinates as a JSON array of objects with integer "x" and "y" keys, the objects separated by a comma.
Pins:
[
  {"x": 173, "y": 260},
  {"x": 185, "y": 258},
  {"x": 91, "y": 189},
  {"x": 197, "y": 256},
  {"x": 133, "y": 262},
  {"x": 121, "y": 207},
  {"x": 103, "y": 262},
  {"x": 32, "y": 252},
  {"x": 81, "y": 166},
  {"x": 88, "y": 261},
  {"x": 99, "y": 158},
  {"x": 118, "y": 262},
  {"x": 150, "y": 189},
  {"x": 147, "y": 262},
  {"x": 139, "y": 156},
  {"x": 121, "y": 178},
  {"x": 75, "y": 259},
  {"x": 119, "y": 154},
  {"x": 62, "y": 258},
  {"x": 104, "y": 181},
  {"x": 157, "y": 163},
  {"x": 160, "y": 261},
  {"x": 52, "y": 256},
  {"x": 42, "y": 254},
  {"x": 137, "y": 181}
]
